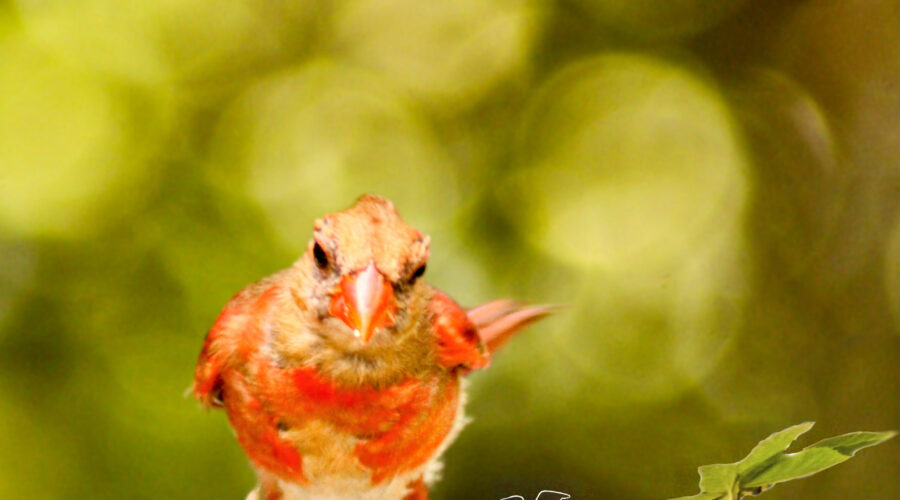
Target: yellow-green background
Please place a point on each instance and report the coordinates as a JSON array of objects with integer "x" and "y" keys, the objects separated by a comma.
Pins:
[{"x": 711, "y": 187}]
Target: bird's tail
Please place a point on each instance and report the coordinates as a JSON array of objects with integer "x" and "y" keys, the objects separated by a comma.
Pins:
[{"x": 498, "y": 320}]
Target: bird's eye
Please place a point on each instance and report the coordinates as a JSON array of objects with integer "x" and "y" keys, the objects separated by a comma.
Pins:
[
  {"x": 417, "y": 274},
  {"x": 320, "y": 256}
]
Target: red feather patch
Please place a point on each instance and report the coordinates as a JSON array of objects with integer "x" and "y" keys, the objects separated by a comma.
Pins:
[{"x": 457, "y": 339}]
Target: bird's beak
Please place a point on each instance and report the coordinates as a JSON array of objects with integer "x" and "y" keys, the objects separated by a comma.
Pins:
[{"x": 364, "y": 301}]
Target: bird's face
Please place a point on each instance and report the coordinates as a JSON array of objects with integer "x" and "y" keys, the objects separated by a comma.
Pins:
[{"x": 365, "y": 263}]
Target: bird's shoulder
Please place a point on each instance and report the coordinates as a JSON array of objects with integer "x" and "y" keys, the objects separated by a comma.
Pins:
[
  {"x": 458, "y": 343},
  {"x": 237, "y": 334}
]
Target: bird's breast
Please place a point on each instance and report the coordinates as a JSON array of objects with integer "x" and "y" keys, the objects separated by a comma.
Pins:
[{"x": 319, "y": 431}]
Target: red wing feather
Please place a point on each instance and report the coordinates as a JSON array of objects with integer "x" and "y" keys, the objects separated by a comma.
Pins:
[
  {"x": 228, "y": 338},
  {"x": 468, "y": 338},
  {"x": 213, "y": 358},
  {"x": 458, "y": 341}
]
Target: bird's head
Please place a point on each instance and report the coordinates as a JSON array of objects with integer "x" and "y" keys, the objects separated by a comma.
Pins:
[{"x": 363, "y": 267}]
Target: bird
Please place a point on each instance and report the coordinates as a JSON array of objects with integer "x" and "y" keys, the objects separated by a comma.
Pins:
[{"x": 344, "y": 375}]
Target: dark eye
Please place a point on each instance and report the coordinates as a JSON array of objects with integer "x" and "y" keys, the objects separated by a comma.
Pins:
[
  {"x": 320, "y": 256},
  {"x": 417, "y": 274}
]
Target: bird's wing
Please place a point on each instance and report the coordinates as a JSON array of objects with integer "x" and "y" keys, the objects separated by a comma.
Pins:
[
  {"x": 458, "y": 343},
  {"x": 468, "y": 338},
  {"x": 226, "y": 340}
]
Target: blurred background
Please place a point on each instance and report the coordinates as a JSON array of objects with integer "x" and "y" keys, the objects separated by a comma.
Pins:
[{"x": 711, "y": 187}]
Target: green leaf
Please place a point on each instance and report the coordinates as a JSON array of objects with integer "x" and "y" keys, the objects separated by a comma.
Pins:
[
  {"x": 814, "y": 458},
  {"x": 849, "y": 444},
  {"x": 766, "y": 465},
  {"x": 718, "y": 477},
  {"x": 794, "y": 466},
  {"x": 772, "y": 446}
]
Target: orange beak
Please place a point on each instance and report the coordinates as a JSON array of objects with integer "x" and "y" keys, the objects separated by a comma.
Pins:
[{"x": 364, "y": 301}]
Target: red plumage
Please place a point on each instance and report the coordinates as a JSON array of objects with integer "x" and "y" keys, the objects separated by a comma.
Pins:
[{"x": 341, "y": 375}]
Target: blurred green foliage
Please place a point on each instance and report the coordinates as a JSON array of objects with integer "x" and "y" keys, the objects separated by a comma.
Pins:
[{"x": 710, "y": 186}]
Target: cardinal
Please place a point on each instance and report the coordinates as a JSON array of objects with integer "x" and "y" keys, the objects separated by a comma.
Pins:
[{"x": 343, "y": 375}]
